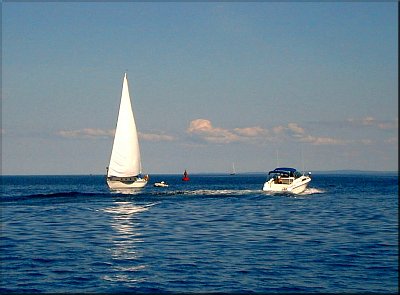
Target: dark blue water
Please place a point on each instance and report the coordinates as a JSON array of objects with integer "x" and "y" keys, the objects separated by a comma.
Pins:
[{"x": 215, "y": 233}]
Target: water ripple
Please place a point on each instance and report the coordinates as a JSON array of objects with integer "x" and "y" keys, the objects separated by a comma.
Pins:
[{"x": 216, "y": 234}]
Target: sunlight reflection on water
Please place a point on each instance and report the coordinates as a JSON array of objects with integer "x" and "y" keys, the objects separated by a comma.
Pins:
[{"x": 124, "y": 250}]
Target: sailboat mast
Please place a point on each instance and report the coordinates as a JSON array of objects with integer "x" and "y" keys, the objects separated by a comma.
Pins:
[{"x": 233, "y": 169}]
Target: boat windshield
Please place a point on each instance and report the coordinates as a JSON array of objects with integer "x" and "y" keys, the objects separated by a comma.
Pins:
[
  {"x": 276, "y": 175},
  {"x": 285, "y": 174},
  {"x": 297, "y": 174}
]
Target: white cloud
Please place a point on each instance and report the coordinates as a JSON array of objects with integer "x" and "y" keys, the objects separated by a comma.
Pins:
[
  {"x": 296, "y": 129},
  {"x": 279, "y": 130},
  {"x": 87, "y": 133},
  {"x": 318, "y": 140},
  {"x": 394, "y": 124},
  {"x": 366, "y": 141},
  {"x": 200, "y": 125},
  {"x": 155, "y": 137},
  {"x": 368, "y": 121},
  {"x": 251, "y": 131},
  {"x": 372, "y": 122},
  {"x": 104, "y": 133},
  {"x": 203, "y": 129},
  {"x": 392, "y": 140},
  {"x": 297, "y": 133}
]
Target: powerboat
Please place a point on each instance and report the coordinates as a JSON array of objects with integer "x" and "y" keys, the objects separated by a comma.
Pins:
[
  {"x": 286, "y": 180},
  {"x": 161, "y": 184}
]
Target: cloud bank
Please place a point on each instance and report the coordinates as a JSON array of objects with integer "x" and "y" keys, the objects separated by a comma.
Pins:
[
  {"x": 92, "y": 133},
  {"x": 155, "y": 137},
  {"x": 86, "y": 133},
  {"x": 203, "y": 129},
  {"x": 372, "y": 122}
]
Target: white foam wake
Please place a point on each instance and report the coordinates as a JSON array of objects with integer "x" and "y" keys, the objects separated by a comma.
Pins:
[
  {"x": 312, "y": 191},
  {"x": 220, "y": 192}
]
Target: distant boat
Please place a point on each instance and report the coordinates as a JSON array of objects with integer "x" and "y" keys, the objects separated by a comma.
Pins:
[
  {"x": 233, "y": 169},
  {"x": 124, "y": 170},
  {"x": 161, "y": 184},
  {"x": 185, "y": 176},
  {"x": 286, "y": 180}
]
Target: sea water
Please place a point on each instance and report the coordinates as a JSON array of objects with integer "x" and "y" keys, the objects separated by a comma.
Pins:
[{"x": 215, "y": 233}]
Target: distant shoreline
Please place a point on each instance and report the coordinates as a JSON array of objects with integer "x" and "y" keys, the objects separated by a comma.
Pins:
[{"x": 332, "y": 172}]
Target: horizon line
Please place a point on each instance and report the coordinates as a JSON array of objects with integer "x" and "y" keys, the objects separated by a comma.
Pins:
[{"x": 337, "y": 171}]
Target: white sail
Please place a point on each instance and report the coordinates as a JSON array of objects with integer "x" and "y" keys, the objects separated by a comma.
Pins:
[
  {"x": 233, "y": 169},
  {"x": 125, "y": 156}
]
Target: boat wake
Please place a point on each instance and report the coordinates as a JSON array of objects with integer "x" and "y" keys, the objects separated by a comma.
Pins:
[
  {"x": 312, "y": 191},
  {"x": 55, "y": 195},
  {"x": 307, "y": 192},
  {"x": 143, "y": 194},
  {"x": 207, "y": 192},
  {"x": 223, "y": 192}
]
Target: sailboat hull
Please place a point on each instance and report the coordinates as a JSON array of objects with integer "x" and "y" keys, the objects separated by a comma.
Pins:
[{"x": 125, "y": 182}]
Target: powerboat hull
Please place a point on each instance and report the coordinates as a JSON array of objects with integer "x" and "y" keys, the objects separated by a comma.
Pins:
[
  {"x": 126, "y": 182},
  {"x": 297, "y": 186}
]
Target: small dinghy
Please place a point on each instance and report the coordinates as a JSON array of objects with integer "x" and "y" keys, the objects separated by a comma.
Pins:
[{"x": 161, "y": 184}]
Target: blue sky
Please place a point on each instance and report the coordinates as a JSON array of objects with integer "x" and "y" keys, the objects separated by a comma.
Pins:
[{"x": 211, "y": 83}]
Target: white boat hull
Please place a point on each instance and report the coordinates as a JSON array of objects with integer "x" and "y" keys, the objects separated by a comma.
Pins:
[
  {"x": 298, "y": 186},
  {"x": 126, "y": 183}
]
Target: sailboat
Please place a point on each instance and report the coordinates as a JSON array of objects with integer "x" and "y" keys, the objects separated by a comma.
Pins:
[
  {"x": 125, "y": 168},
  {"x": 233, "y": 169}
]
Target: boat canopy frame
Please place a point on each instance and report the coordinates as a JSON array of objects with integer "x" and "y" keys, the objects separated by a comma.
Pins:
[{"x": 286, "y": 172}]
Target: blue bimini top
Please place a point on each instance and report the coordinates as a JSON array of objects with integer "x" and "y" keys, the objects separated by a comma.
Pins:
[{"x": 283, "y": 170}]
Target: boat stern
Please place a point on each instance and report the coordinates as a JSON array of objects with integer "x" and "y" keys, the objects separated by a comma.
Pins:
[{"x": 128, "y": 183}]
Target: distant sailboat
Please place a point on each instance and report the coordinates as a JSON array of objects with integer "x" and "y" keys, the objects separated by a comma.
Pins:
[
  {"x": 233, "y": 169},
  {"x": 124, "y": 170},
  {"x": 185, "y": 176}
]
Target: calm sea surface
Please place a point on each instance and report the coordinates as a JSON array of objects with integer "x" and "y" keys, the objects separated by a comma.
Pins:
[{"x": 215, "y": 233}]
